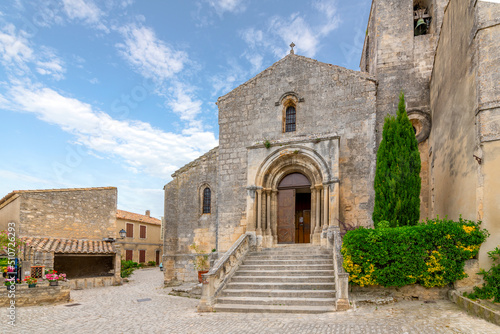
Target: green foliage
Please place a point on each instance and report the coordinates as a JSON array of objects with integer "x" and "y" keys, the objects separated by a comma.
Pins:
[
  {"x": 128, "y": 268},
  {"x": 397, "y": 176},
  {"x": 152, "y": 263},
  {"x": 267, "y": 143},
  {"x": 432, "y": 253},
  {"x": 491, "y": 287}
]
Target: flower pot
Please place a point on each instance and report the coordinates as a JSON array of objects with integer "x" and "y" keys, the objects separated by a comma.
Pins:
[
  {"x": 53, "y": 283},
  {"x": 8, "y": 287},
  {"x": 32, "y": 285},
  {"x": 201, "y": 272}
]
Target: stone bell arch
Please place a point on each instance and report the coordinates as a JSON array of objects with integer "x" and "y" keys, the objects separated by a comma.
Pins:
[{"x": 316, "y": 160}]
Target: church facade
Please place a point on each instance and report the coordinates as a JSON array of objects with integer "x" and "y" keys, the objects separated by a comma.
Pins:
[{"x": 297, "y": 143}]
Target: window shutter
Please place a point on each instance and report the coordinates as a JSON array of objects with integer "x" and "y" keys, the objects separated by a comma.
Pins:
[
  {"x": 143, "y": 232},
  {"x": 129, "y": 255},
  {"x": 130, "y": 230}
]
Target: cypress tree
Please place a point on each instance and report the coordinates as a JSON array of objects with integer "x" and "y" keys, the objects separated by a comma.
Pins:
[{"x": 397, "y": 176}]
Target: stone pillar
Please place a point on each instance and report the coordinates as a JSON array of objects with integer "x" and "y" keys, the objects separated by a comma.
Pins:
[
  {"x": 325, "y": 216},
  {"x": 252, "y": 207},
  {"x": 334, "y": 204},
  {"x": 274, "y": 215},
  {"x": 313, "y": 213},
  {"x": 258, "y": 200},
  {"x": 318, "y": 209},
  {"x": 268, "y": 210}
]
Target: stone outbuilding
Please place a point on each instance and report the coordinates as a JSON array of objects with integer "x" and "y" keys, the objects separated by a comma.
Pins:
[{"x": 72, "y": 231}]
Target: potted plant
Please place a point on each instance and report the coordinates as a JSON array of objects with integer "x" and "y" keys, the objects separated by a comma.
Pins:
[
  {"x": 54, "y": 278},
  {"x": 200, "y": 262},
  {"x": 31, "y": 281},
  {"x": 9, "y": 282}
]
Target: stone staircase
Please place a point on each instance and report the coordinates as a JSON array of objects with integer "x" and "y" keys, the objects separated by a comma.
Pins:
[{"x": 288, "y": 279}]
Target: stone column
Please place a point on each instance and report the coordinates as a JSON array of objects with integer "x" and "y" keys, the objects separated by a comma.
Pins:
[
  {"x": 325, "y": 206},
  {"x": 318, "y": 209},
  {"x": 274, "y": 215},
  {"x": 252, "y": 207},
  {"x": 258, "y": 200},
  {"x": 334, "y": 204},
  {"x": 313, "y": 210},
  {"x": 268, "y": 207}
]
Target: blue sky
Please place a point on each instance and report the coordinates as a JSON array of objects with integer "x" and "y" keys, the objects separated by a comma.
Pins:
[{"x": 122, "y": 92}]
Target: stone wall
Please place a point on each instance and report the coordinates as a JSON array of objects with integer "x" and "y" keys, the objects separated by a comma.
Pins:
[
  {"x": 334, "y": 101},
  {"x": 402, "y": 62},
  {"x": 465, "y": 101},
  {"x": 185, "y": 222},
  {"x": 9, "y": 212},
  {"x": 40, "y": 295},
  {"x": 69, "y": 213}
]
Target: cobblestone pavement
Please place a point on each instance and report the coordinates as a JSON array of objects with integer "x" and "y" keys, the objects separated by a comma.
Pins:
[{"x": 116, "y": 310}]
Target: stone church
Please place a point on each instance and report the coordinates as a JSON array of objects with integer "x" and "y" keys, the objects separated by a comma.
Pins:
[{"x": 297, "y": 143}]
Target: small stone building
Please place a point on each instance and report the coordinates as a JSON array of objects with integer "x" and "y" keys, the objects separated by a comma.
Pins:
[
  {"x": 143, "y": 242},
  {"x": 72, "y": 231},
  {"x": 297, "y": 143}
]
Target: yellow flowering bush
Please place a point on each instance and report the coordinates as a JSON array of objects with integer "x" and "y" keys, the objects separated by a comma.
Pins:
[{"x": 432, "y": 253}]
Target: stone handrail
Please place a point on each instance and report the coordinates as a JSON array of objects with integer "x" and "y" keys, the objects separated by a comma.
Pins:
[
  {"x": 341, "y": 277},
  {"x": 222, "y": 271}
]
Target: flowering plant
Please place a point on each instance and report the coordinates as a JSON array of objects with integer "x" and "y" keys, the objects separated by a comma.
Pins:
[
  {"x": 30, "y": 280},
  {"x": 53, "y": 276},
  {"x": 12, "y": 281}
]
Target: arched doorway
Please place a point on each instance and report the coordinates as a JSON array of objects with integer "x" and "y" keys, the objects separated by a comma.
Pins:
[{"x": 294, "y": 209}]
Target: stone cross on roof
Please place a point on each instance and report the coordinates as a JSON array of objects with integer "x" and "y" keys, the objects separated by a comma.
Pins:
[{"x": 291, "y": 51}]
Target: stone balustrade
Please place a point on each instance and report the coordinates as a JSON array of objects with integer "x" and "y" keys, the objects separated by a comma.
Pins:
[{"x": 222, "y": 271}]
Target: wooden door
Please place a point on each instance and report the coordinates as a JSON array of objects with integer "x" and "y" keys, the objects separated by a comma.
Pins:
[
  {"x": 157, "y": 257},
  {"x": 286, "y": 216},
  {"x": 303, "y": 226},
  {"x": 142, "y": 256}
]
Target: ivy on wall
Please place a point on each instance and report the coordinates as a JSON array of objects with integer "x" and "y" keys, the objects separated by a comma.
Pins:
[{"x": 432, "y": 253}]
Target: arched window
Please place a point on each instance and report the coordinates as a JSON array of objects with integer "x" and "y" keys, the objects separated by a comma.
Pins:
[
  {"x": 207, "y": 194},
  {"x": 290, "y": 119}
]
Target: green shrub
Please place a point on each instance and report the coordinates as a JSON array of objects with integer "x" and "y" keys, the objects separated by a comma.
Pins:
[
  {"x": 491, "y": 287},
  {"x": 128, "y": 268},
  {"x": 432, "y": 253},
  {"x": 397, "y": 175},
  {"x": 152, "y": 263}
]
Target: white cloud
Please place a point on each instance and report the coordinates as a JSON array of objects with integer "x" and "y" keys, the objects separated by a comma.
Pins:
[
  {"x": 232, "y": 6},
  {"x": 184, "y": 104},
  {"x": 14, "y": 48},
  {"x": 306, "y": 33},
  {"x": 86, "y": 11},
  {"x": 148, "y": 55},
  {"x": 50, "y": 64},
  {"x": 142, "y": 147}
]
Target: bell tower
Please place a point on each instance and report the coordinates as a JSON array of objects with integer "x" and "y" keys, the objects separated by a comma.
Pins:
[{"x": 399, "y": 49}]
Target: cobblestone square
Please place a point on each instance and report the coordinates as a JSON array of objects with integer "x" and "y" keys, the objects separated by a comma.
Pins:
[{"x": 117, "y": 310}]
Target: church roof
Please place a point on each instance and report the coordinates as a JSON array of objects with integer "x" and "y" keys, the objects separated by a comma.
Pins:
[
  {"x": 291, "y": 56},
  {"x": 195, "y": 162}
]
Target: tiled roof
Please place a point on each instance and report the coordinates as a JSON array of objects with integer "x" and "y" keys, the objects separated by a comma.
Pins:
[
  {"x": 9, "y": 195},
  {"x": 121, "y": 214},
  {"x": 78, "y": 246}
]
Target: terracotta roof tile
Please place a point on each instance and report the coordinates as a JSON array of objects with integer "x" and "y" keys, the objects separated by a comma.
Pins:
[
  {"x": 77, "y": 246},
  {"x": 121, "y": 214}
]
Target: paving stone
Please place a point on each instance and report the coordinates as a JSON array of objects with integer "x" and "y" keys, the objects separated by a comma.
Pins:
[{"x": 114, "y": 309}]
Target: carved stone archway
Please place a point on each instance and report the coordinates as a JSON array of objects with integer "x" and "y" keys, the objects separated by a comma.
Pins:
[{"x": 263, "y": 205}]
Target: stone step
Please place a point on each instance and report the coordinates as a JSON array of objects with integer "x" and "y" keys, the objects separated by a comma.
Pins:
[
  {"x": 247, "y": 267},
  {"x": 292, "y": 252},
  {"x": 283, "y": 279},
  {"x": 284, "y": 273},
  {"x": 288, "y": 262},
  {"x": 288, "y": 257},
  {"x": 272, "y": 308},
  {"x": 276, "y": 301},
  {"x": 278, "y": 293},
  {"x": 282, "y": 286}
]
